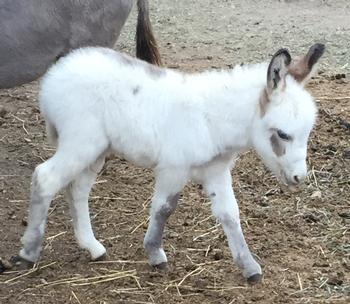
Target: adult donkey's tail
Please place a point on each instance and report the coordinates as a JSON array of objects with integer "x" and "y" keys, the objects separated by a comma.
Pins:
[{"x": 146, "y": 45}]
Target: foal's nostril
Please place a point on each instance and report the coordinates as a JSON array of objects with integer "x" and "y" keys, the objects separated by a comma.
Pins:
[{"x": 296, "y": 179}]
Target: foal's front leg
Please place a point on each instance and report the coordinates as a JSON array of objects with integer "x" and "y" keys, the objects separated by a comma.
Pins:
[
  {"x": 167, "y": 192},
  {"x": 218, "y": 185}
]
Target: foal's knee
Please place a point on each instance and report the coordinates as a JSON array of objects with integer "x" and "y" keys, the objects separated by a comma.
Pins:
[
  {"x": 224, "y": 212},
  {"x": 45, "y": 182},
  {"x": 164, "y": 209}
]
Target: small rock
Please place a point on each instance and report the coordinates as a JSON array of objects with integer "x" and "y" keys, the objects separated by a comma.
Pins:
[
  {"x": 346, "y": 154},
  {"x": 173, "y": 234},
  {"x": 187, "y": 223},
  {"x": 332, "y": 148},
  {"x": 11, "y": 214},
  {"x": 3, "y": 111},
  {"x": 344, "y": 124},
  {"x": 321, "y": 264},
  {"x": 218, "y": 255},
  {"x": 264, "y": 204},
  {"x": 316, "y": 194},
  {"x": 200, "y": 283},
  {"x": 258, "y": 297},
  {"x": 190, "y": 267},
  {"x": 5, "y": 265},
  {"x": 337, "y": 76},
  {"x": 340, "y": 76},
  {"x": 345, "y": 215},
  {"x": 311, "y": 218},
  {"x": 346, "y": 264},
  {"x": 336, "y": 280}
]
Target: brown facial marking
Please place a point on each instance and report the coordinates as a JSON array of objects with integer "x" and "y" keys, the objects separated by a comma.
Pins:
[
  {"x": 263, "y": 102},
  {"x": 277, "y": 146}
]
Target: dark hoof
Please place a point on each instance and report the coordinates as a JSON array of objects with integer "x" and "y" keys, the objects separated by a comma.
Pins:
[
  {"x": 255, "y": 278},
  {"x": 16, "y": 261},
  {"x": 102, "y": 257},
  {"x": 162, "y": 267}
]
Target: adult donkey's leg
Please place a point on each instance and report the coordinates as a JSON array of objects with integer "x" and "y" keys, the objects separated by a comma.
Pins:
[
  {"x": 167, "y": 191},
  {"x": 218, "y": 185},
  {"x": 78, "y": 195}
]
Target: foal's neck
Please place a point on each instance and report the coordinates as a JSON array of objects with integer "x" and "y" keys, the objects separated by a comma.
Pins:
[{"x": 230, "y": 102}]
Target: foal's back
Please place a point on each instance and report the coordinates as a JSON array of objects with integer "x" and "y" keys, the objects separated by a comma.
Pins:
[{"x": 137, "y": 106}]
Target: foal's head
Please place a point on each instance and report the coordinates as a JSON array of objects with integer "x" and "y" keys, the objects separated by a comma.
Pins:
[{"x": 287, "y": 115}]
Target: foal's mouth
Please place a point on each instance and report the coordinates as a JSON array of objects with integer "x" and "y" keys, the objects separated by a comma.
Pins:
[{"x": 292, "y": 186}]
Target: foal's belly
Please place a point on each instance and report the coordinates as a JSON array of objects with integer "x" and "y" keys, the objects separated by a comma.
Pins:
[{"x": 137, "y": 153}]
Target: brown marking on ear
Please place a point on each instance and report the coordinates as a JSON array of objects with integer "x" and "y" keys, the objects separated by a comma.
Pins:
[
  {"x": 263, "y": 102},
  {"x": 302, "y": 68},
  {"x": 277, "y": 146},
  {"x": 299, "y": 70}
]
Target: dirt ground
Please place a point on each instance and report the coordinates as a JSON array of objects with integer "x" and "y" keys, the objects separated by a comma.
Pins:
[{"x": 301, "y": 240}]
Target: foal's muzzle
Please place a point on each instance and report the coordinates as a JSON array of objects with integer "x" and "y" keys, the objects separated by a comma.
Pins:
[{"x": 293, "y": 181}]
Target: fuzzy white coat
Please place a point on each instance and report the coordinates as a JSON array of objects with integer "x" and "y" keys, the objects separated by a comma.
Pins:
[{"x": 184, "y": 126}]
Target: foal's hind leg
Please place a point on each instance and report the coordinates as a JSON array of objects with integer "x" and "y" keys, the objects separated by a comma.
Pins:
[
  {"x": 167, "y": 191},
  {"x": 78, "y": 195},
  {"x": 72, "y": 156}
]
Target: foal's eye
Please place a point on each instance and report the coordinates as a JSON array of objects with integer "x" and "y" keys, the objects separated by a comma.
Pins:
[{"x": 283, "y": 135}]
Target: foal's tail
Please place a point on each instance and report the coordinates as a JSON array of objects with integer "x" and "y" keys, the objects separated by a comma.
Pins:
[{"x": 146, "y": 45}]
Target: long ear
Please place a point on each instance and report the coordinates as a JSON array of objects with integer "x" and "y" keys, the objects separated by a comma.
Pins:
[
  {"x": 303, "y": 69},
  {"x": 277, "y": 71}
]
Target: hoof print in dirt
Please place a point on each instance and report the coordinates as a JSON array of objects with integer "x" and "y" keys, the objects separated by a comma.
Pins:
[{"x": 254, "y": 279}]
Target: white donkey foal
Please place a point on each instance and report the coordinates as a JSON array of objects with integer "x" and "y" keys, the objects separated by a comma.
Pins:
[{"x": 96, "y": 101}]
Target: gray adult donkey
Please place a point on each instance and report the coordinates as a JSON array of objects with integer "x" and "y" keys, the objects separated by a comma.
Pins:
[{"x": 35, "y": 33}]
